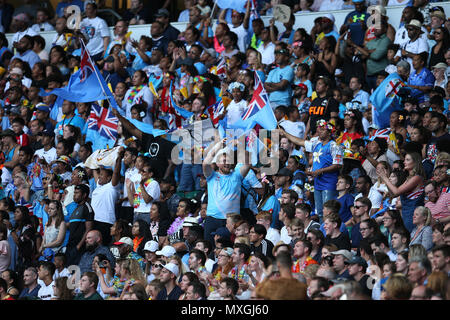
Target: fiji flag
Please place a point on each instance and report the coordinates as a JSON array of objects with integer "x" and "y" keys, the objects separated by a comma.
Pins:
[
  {"x": 259, "y": 110},
  {"x": 85, "y": 85},
  {"x": 238, "y": 5},
  {"x": 215, "y": 111},
  {"x": 385, "y": 99}
]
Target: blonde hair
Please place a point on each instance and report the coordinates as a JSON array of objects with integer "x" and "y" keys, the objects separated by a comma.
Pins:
[
  {"x": 133, "y": 268},
  {"x": 181, "y": 266},
  {"x": 425, "y": 212},
  {"x": 443, "y": 157},
  {"x": 416, "y": 251},
  {"x": 398, "y": 287},
  {"x": 244, "y": 240}
]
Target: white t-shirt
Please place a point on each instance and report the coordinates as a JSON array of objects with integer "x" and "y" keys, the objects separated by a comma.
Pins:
[
  {"x": 267, "y": 53},
  {"x": 144, "y": 94},
  {"x": 284, "y": 236},
  {"x": 328, "y": 5},
  {"x": 401, "y": 36},
  {"x": 49, "y": 155},
  {"x": 103, "y": 202},
  {"x": 416, "y": 47},
  {"x": 273, "y": 235},
  {"x": 235, "y": 111},
  {"x": 129, "y": 173},
  {"x": 59, "y": 40},
  {"x": 375, "y": 198},
  {"x": 153, "y": 191},
  {"x": 64, "y": 273},
  {"x": 209, "y": 265},
  {"x": 95, "y": 30},
  {"x": 44, "y": 26},
  {"x": 6, "y": 177},
  {"x": 242, "y": 35},
  {"x": 46, "y": 292},
  {"x": 296, "y": 129},
  {"x": 43, "y": 55}
]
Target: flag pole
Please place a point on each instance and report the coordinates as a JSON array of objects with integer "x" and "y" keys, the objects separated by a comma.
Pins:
[{"x": 95, "y": 66}]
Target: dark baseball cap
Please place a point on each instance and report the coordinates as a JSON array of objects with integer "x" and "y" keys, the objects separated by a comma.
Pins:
[
  {"x": 7, "y": 133},
  {"x": 162, "y": 13},
  {"x": 284, "y": 172},
  {"x": 47, "y": 133}
]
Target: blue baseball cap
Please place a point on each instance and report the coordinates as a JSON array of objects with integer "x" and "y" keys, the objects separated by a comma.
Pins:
[
  {"x": 222, "y": 232},
  {"x": 47, "y": 255},
  {"x": 357, "y": 1},
  {"x": 42, "y": 107}
]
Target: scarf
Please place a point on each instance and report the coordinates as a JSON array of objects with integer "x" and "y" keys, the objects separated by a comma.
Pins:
[{"x": 134, "y": 91}]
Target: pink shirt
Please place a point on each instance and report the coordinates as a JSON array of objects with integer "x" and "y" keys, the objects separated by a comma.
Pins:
[{"x": 441, "y": 208}]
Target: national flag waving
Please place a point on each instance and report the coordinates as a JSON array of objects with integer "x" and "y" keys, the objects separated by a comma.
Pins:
[
  {"x": 85, "y": 85},
  {"x": 179, "y": 113},
  {"x": 385, "y": 99},
  {"x": 102, "y": 120},
  {"x": 220, "y": 69},
  {"x": 259, "y": 110},
  {"x": 86, "y": 66},
  {"x": 215, "y": 111},
  {"x": 238, "y": 5},
  {"x": 381, "y": 133}
]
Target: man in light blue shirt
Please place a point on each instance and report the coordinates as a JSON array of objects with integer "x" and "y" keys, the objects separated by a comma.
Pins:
[
  {"x": 279, "y": 81},
  {"x": 359, "y": 94},
  {"x": 25, "y": 52},
  {"x": 224, "y": 187},
  {"x": 68, "y": 109}
]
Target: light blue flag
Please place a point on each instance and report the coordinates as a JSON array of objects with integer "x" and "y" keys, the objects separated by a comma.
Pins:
[
  {"x": 98, "y": 141},
  {"x": 179, "y": 111},
  {"x": 147, "y": 128},
  {"x": 385, "y": 100},
  {"x": 238, "y": 5}
]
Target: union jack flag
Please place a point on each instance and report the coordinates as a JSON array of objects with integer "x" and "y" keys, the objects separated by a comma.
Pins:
[
  {"x": 215, "y": 111},
  {"x": 259, "y": 99},
  {"x": 381, "y": 133},
  {"x": 221, "y": 68},
  {"x": 253, "y": 11},
  {"x": 103, "y": 121},
  {"x": 86, "y": 66}
]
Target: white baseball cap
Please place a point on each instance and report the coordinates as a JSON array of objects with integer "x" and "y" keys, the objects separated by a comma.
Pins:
[
  {"x": 172, "y": 267},
  {"x": 151, "y": 246},
  {"x": 124, "y": 240},
  {"x": 345, "y": 253},
  {"x": 167, "y": 251}
]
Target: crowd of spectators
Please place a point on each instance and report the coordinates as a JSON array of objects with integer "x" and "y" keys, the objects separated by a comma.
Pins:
[{"x": 355, "y": 211}]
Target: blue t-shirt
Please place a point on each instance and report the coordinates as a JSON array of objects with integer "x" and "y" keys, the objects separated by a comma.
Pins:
[
  {"x": 75, "y": 121},
  {"x": 138, "y": 63},
  {"x": 281, "y": 97},
  {"x": 424, "y": 78},
  {"x": 250, "y": 181},
  {"x": 346, "y": 201},
  {"x": 323, "y": 157},
  {"x": 224, "y": 194},
  {"x": 273, "y": 204}
]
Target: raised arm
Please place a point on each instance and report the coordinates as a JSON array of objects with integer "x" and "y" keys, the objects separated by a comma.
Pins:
[
  {"x": 296, "y": 140},
  {"x": 206, "y": 165},
  {"x": 128, "y": 125}
]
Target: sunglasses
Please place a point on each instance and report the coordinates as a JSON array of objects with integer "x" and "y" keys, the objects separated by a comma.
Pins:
[{"x": 158, "y": 265}]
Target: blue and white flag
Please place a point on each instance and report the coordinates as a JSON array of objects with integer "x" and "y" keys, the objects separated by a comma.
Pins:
[{"x": 385, "y": 100}]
